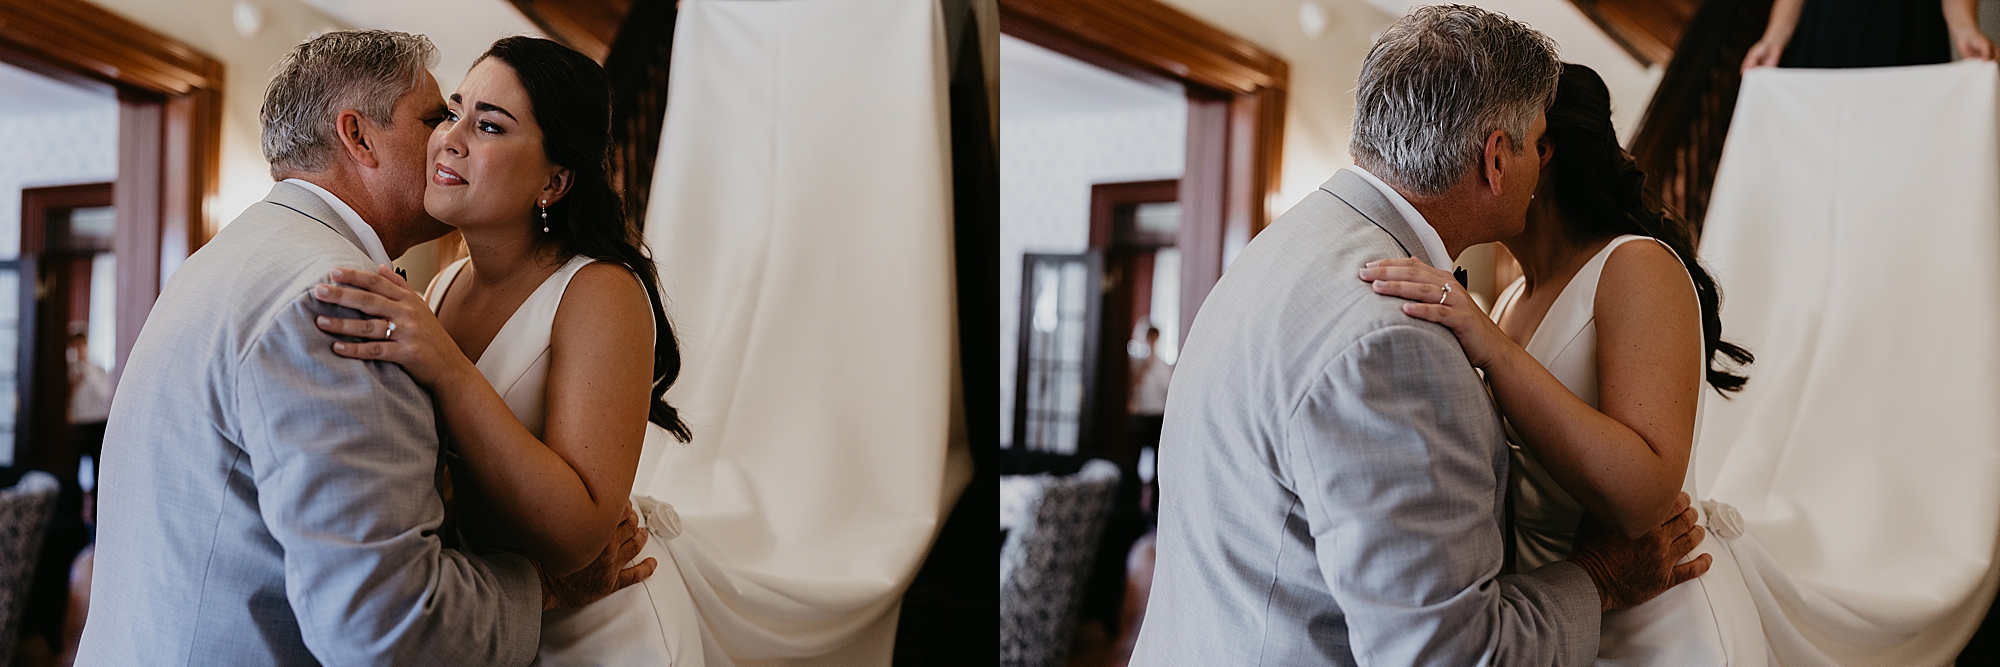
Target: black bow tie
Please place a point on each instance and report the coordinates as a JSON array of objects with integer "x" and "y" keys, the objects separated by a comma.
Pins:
[
  {"x": 1459, "y": 274},
  {"x": 406, "y": 276}
]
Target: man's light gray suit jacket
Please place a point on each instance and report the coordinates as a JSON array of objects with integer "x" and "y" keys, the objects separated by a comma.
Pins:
[
  {"x": 1332, "y": 474},
  {"x": 265, "y": 502}
]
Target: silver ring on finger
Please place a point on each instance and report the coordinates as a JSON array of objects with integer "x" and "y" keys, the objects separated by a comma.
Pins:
[
  {"x": 1441, "y": 297},
  {"x": 391, "y": 333}
]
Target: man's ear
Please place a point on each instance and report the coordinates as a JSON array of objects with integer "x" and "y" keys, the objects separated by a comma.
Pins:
[
  {"x": 560, "y": 178},
  {"x": 1490, "y": 163},
  {"x": 356, "y": 137}
]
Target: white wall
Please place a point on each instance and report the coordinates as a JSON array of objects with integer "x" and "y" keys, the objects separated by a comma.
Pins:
[
  {"x": 1047, "y": 165},
  {"x": 61, "y": 148}
]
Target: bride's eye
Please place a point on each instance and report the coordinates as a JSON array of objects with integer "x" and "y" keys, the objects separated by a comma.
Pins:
[
  {"x": 450, "y": 116},
  {"x": 489, "y": 127}
]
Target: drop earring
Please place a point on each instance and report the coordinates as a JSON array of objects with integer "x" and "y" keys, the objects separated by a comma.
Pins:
[{"x": 545, "y": 217}]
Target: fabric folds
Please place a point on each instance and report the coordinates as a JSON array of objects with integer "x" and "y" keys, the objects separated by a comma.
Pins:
[
  {"x": 1855, "y": 232},
  {"x": 801, "y": 221}
]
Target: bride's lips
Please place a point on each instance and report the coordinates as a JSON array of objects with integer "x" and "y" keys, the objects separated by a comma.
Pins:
[{"x": 443, "y": 175}]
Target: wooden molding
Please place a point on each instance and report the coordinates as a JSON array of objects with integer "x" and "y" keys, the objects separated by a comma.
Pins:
[
  {"x": 41, "y": 430},
  {"x": 1148, "y": 36},
  {"x": 1107, "y": 198},
  {"x": 84, "y": 37},
  {"x": 589, "y": 26},
  {"x": 1648, "y": 29},
  {"x": 170, "y": 131}
]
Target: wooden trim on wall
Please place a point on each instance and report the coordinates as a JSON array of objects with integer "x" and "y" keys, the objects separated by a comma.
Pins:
[
  {"x": 41, "y": 426},
  {"x": 1122, "y": 269},
  {"x": 589, "y": 26},
  {"x": 170, "y": 120},
  {"x": 1204, "y": 203},
  {"x": 1236, "y": 112},
  {"x": 1107, "y": 198},
  {"x": 1147, "y": 36},
  {"x": 87, "y": 38}
]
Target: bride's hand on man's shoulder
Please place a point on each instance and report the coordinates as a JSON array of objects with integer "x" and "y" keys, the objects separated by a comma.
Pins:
[
  {"x": 1434, "y": 295},
  {"x": 403, "y": 330}
]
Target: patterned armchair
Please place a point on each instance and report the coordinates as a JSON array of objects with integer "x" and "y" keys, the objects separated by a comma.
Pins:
[
  {"x": 25, "y": 509},
  {"x": 1046, "y": 558}
]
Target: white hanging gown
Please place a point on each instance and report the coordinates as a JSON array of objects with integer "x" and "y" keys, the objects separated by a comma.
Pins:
[
  {"x": 652, "y": 623},
  {"x": 1864, "y": 455},
  {"x": 1709, "y": 621}
]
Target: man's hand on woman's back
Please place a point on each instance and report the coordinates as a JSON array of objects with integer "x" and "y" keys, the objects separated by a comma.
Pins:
[
  {"x": 1630, "y": 571},
  {"x": 603, "y": 576}
]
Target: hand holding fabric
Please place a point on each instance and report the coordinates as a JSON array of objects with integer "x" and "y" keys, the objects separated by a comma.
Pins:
[
  {"x": 1972, "y": 45},
  {"x": 405, "y": 333},
  {"x": 1764, "y": 53}
]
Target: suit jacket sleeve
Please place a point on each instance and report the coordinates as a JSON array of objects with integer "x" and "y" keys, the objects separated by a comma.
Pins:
[
  {"x": 1392, "y": 454},
  {"x": 345, "y": 460}
]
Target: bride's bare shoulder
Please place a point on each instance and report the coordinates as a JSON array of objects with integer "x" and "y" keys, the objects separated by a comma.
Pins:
[
  {"x": 605, "y": 296},
  {"x": 1645, "y": 300}
]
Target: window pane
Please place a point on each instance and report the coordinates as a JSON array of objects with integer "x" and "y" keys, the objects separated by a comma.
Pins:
[
  {"x": 1158, "y": 217},
  {"x": 94, "y": 223},
  {"x": 103, "y": 330}
]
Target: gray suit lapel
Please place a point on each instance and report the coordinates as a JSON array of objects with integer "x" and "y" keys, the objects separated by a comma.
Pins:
[
  {"x": 304, "y": 202},
  {"x": 1358, "y": 193}
]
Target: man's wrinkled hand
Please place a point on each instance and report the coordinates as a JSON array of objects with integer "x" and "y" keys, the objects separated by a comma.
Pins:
[
  {"x": 603, "y": 576},
  {"x": 1628, "y": 572}
]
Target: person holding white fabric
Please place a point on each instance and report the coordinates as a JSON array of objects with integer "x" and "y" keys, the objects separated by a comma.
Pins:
[
  {"x": 1596, "y": 356},
  {"x": 529, "y": 352}
]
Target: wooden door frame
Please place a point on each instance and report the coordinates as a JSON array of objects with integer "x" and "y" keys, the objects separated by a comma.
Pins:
[
  {"x": 1109, "y": 436},
  {"x": 169, "y": 125},
  {"x": 41, "y": 430},
  {"x": 1236, "y": 113}
]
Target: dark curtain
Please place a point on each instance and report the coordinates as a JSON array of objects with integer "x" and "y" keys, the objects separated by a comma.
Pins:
[
  {"x": 637, "y": 66},
  {"x": 1679, "y": 142},
  {"x": 951, "y": 611}
]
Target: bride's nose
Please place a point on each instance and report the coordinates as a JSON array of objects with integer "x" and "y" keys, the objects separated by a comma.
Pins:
[{"x": 449, "y": 140}]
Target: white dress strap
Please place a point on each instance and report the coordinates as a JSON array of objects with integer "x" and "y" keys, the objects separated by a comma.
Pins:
[{"x": 516, "y": 362}]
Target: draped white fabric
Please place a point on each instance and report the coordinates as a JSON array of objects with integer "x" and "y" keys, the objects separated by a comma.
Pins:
[
  {"x": 801, "y": 221},
  {"x": 1855, "y": 232}
]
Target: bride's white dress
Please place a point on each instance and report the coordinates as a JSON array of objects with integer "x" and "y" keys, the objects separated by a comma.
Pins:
[
  {"x": 651, "y": 623},
  {"x": 1709, "y": 621}
]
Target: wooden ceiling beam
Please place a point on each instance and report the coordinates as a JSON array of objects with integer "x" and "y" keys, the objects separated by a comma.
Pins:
[
  {"x": 589, "y": 26},
  {"x": 1647, "y": 29}
]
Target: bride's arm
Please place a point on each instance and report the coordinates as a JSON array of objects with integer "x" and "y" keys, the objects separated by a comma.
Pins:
[
  {"x": 563, "y": 496},
  {"x": 1625, "y": 460}
]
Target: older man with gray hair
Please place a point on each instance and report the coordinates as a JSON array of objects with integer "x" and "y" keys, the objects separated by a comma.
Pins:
[
  {"x": 264, "y": 502},
  {"x": 1336, "y": 470}
]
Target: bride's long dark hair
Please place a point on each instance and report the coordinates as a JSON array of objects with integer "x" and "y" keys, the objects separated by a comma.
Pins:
[
  {"x": 1603, "y": 193},
  {"x": 571, "y": 98}
]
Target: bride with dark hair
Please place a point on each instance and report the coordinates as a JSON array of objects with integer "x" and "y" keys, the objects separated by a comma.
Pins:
[
  {"x": 528, "y": 346},
  {"x": 1596, "y": 356}
]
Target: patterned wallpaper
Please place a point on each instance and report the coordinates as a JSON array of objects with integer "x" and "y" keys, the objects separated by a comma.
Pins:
[
  {"x": 65, "y": 148},
  {"x": 1047, "y": 165}
]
